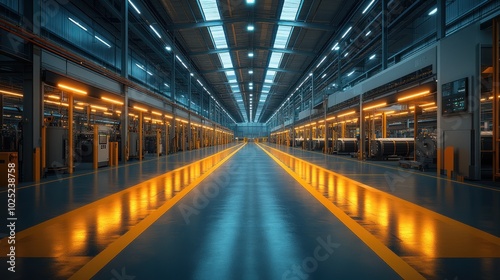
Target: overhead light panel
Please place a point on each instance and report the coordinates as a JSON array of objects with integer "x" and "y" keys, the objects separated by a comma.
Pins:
[
  {"x": 156, "y": 113},
  {"x": 372, "y": 56},
  {"x": 368, "y": 7},
  {"x": 346, "y": 114},
  {"x": 112, "y": 100},
  {"x": 413, "y": 96},
  {"x": 168, "y": 48},
  {"x": 154, "y": 30},
  {"x": 74, "y": 90},
  {"x": 250, "y": 27},
  {"x": 11, "y": 93},
  {"x": 433, "y": 11},
  {"x": 99, "y": 107},
  {"x": 77, "y": 24},
  {"x": 250, "y": 54},
  {"x": 347, "y": 32},
  {"x": 349, "y": 74},
  {"x": 368, "y": 33},
  {"x": 375, "y": 106},
  {"x": 140, "y": 109},
  {"x": 321, "y": 62},
  {"x": 134, "y": 6},
  {"x": 336, "y": 47},
  {"x": 102, "y": 41}
]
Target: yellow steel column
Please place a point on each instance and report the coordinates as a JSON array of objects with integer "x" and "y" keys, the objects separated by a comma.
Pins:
[
  {"x": 44, "y": 148},
  {"x": 384, "y": 125},
  {"x": 70, "y": 133}
]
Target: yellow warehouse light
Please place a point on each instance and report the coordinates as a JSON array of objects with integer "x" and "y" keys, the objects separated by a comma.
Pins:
[
  {"x": 156, "y": 113},
  {"x": 78, "y": 107},
  {"x": 414, "y": 95},
  {"x": 11, "y": 93},
  {"x": 53, "y": 96},
  {"x": 99, "y": 107},
  {"x": 75, "y": 90},
  {"x": 169, "y": 116},
  {"x": 140, "y": 108},
  {"x": 375, "y": 106},
  {"x": 112, "y": 100},
  {"x": 56, "y": 103},
  {"x": 347, "y": 114}
]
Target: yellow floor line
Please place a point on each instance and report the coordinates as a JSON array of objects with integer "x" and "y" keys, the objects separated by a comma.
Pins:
[
  {"x": 472, "y": 230},
  {"x": 67, "y": 215},
  {"x": 104, "y": 257},
  {"x": 408, "y": 171},
  {"x": 90, "y": 173},
  {"x": 394, "y": 261}
]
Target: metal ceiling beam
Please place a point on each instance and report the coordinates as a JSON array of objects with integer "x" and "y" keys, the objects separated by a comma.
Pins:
[
  {"x": 287, "y": 51},
  {"x": 219, "y": 70},
  {"x": 307, "y": 25}
]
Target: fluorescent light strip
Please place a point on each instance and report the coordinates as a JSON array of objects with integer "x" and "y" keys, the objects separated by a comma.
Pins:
[
  {"x": 433, "y": 11},
  {"x": 321, "y": 62},
  {"x": 11, "y": 93},
  {"x": 77, "y": 24},
  {"x": 348, "y": 30},
  {"x": 154, "y": 30},
  {"x": 368, "y": 7},
  {"x": 133, "y": 6},
  {"x": 102, "y": 41}
]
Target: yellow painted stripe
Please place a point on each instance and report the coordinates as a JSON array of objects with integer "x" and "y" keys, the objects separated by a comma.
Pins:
[
  {"x": 394, "y": 261},
  {"x": 34, "y": 229},
  {"x": 460, "y": 226},
  {"x": 104, "y": 257},
  {"x": 408, "y": 171}
]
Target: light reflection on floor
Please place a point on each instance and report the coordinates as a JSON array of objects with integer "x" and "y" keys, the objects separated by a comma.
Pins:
[
  {"x": 86, "y": 231},
  {"x": 407, "y": 229}
]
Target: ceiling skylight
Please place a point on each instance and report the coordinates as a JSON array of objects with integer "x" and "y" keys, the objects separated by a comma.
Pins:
[
  {"x": 210, "y": 12},
  {"x": 290, "y": 11}
]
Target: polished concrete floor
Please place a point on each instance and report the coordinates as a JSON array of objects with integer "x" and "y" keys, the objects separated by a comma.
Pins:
[{"x": 254, "y": 211}]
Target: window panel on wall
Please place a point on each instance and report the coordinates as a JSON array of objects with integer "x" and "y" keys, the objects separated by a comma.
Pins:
[{"x": 14, "y": 5}]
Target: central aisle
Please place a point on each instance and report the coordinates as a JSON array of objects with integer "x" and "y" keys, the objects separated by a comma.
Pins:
[{"x": 248, "y": 220}]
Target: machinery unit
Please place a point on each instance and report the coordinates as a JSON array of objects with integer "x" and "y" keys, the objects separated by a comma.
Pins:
[
  {"x": 84, "y": 147},
  {"x": 385, "y": 148},
  {"x": 133, "y": 145},
  {"x": 103, "y": 150},
  {"x": 57, "y": 148},
  {"x": 345, "y": 145}
]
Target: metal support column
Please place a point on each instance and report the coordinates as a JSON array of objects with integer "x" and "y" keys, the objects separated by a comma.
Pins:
[
  {"x": 139, "y": 147},
  {"x": 124, "y": 118},
  {"x": 70, "y": 133},
  {"x": 384, "y": 34},
  {"x": 496, "y": 99},
  {"x": 441, "y": 19}
]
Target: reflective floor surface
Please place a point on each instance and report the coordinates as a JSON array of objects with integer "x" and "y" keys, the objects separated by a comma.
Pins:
[{"x": 255, "y": 211}]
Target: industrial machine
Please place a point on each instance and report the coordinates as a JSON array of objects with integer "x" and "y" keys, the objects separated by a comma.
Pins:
[
  {"x": 345, "y": 145},
  {"x": 57, "y": 148},
  {"x": 386, "y": 148}
]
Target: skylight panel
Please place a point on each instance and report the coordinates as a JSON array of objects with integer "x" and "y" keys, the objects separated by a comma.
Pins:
[
  {"x": 225, "y": 59},
  {"x": 282, "y": 36},
  {"x": 209, "y": 9},
  {"x": 275, "y": 60},
  {"x": 218, "y": 36},
  {"x": 290, "y": 10}
]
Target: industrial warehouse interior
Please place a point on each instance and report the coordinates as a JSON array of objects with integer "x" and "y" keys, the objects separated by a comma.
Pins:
[{"x": 250, "y": 139}]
